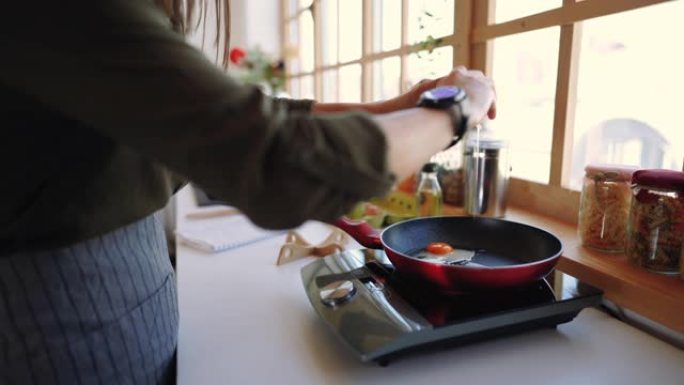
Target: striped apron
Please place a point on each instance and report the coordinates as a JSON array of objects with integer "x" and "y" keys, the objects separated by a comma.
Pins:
[{"x": 103, "y": 311}]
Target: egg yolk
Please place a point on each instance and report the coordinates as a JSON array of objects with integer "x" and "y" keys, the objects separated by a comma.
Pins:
[{"x": 439, "y": 248}]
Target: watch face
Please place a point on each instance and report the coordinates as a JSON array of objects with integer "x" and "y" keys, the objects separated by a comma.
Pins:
[
  {"x": 442, "y": 97},
  {"x": 445, "y": 92}
]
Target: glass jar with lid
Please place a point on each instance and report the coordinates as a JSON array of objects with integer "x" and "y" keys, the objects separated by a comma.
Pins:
[
  {"x": 604, "y": 207},
  {"x": 486, "y": 171},
  {"x": 656, "y": 221},
  {"x": 450, "y": 174}
]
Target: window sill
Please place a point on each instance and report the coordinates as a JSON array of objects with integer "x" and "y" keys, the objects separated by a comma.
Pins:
[{"x": 656, "y": 297}]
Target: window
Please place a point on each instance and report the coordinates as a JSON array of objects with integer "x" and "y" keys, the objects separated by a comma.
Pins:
[
  {"x": 630, "y": 91},
  {"x": 524, "y": 70},
  {"x": 366, "y": 50},
  {"x": 579, "y": 109},
  {"x": 506, "y": 10},
  {"x": 578, "y": 81}
]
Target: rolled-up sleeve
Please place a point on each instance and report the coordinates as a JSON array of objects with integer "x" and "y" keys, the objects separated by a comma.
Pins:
[{"x": 117, "y": 67}]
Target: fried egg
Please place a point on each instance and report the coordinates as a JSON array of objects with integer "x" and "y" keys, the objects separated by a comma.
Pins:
[{"x": 454, "y": 257}]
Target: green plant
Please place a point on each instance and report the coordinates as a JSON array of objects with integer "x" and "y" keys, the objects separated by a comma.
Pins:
[
  {"x": 430, "y": 42},
  {"x": 257, "y": 67}
]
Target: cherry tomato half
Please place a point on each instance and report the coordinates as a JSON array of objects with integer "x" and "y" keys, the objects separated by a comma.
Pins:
[{"x": 439, "y": 248}]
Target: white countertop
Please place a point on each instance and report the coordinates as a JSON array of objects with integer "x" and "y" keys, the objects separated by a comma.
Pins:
[{"x": 244, "y": 320}]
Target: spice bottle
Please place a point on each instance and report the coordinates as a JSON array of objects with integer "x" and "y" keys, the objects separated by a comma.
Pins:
[
  {"x": 428, "y": 193},
  {"x": 656, "y": 220},
  {"x": 604, "y": 207}
]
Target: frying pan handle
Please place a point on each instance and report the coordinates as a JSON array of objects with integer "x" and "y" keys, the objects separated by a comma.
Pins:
[{"x": 361, "y": 231}]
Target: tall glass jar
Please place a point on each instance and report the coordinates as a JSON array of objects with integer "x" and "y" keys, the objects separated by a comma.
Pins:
[
  {"x": 604, "y": 207},
  {"x": 656, "y": 221},
  {"x": 486, "y": 172}
]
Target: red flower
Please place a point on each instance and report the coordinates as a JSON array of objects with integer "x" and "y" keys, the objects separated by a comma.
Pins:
[{"x": 237, "y": 55}]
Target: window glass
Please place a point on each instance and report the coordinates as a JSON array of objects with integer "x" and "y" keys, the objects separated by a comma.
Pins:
[
  {"x": 292, "y": 64},
  {"x": 350, "y": 83},
  {"x": 430, "y": 18},
  {"x": 524, "y": 71},
  {"x": 330, "y": 86},
  {"x": 306, "y": 41},
  {"x": 386, "y": 76},
  {"x": 506, "y": 10},
  {"x": 350, "y": 29},
  {"x": 329, "y": 31},
  {"x": 629, "y": 92},
  {"x": 387, "y": 24},
  {"x": 294, "y": 88},
  {"x": 292, "y": 7},
  {"x": 307, "y": 87},
  {"x": 424, "y": 65}
]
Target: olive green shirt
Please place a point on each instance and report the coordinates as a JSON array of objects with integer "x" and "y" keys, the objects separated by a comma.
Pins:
[{"x": 105, "y": 111}]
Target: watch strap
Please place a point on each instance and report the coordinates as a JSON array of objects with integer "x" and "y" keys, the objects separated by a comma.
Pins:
[{"x": 459, "y": 121}]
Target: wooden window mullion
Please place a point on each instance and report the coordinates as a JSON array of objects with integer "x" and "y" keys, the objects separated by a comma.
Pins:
[
  {"x": 566, "y": 96},
  {"x": 569, "y": 13},
  {"x": 481, "y": 51},
  {"x": 403, "y": 70},
  {"x": 318, "y": 49},
  {"x": 462, "y": 26},
  {"x": 366, "y": 50}
]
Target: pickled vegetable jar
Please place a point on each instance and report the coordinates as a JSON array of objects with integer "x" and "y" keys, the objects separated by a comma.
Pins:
[
  {"x": 604, "y": 207},
  {"x": 656, "y": 222}
]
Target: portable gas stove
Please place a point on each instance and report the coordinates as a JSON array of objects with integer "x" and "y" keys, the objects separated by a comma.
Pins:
[{"x": 381, "y": 315}]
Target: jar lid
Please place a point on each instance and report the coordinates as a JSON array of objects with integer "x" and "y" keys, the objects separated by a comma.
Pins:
[
  {"x": 667, "y": 179},
  {"x": 614, "y": 172},
  {"x": 487, "y": 143}
]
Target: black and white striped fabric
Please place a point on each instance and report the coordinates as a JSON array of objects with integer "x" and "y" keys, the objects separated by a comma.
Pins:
[{"x": 103, "y": 311}]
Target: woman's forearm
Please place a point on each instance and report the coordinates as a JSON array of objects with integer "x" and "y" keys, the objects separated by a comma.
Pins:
[
  {"x": 373, "y": 108},
  {"x": 406, "y": 100},
  {"x": 413, "y": 136}
]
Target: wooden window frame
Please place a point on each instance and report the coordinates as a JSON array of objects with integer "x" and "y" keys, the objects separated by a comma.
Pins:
[{"x": 474, "y": 32}]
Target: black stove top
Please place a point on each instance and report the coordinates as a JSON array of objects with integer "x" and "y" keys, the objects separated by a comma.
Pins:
[{"x": 380, "y": 314}]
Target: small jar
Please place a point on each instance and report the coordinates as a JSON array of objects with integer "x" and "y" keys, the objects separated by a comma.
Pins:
[
  {"x": 450, "y": 175},
  {"x": 604, "y": 207},
  {"x": 428, "y": 192},
  {"x": 656, "y": 221}
]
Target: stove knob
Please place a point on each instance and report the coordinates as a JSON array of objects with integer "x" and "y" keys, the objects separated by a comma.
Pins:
[{"x": 337, "y": 293}]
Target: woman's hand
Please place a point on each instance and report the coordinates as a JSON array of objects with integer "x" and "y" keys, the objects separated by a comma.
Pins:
[
  {"x": 478, "y": 87},
  {"x": 415, "y": 134},
  {"x": 410, "y": 98}
]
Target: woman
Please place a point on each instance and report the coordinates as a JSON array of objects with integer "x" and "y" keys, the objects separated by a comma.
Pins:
[{"x": 105, "y": 111}]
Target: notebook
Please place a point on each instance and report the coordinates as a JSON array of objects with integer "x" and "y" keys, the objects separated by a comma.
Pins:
[{"x": 222, "y": 233}]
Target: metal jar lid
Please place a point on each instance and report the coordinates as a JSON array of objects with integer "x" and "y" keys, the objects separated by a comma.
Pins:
[
  {"x": 664, "y": 179},
  {"x": 487, "y": 143}
]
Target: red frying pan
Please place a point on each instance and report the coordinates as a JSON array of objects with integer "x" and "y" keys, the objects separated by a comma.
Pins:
[{"x": 490, "y": 253}]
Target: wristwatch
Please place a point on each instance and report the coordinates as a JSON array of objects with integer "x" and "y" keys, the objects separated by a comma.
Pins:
[{"x": 452, "y": 99}]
